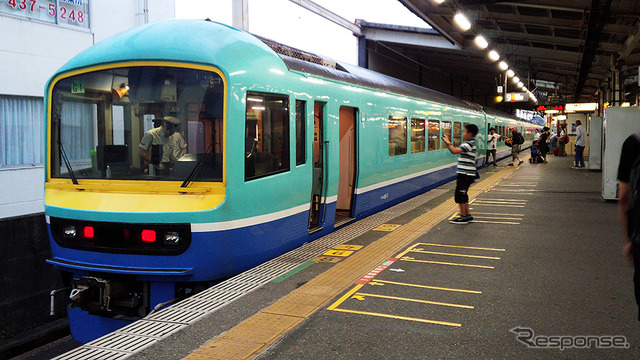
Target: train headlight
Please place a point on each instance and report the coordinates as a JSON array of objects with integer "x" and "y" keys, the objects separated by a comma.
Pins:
[
  {"x": 70, "y": 231},
  {"x": 171, "y": 238}
]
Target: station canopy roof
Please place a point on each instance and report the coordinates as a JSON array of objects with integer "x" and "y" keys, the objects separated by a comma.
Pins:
[{"x": 568, "y": 47}]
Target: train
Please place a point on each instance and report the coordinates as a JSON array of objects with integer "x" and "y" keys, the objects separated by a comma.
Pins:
[{"x": 183, "y": 152}]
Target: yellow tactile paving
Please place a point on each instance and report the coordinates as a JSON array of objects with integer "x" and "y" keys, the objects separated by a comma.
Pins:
[
  {"x": 270, "y": 324},
  {"x": 305, "y": 305}
]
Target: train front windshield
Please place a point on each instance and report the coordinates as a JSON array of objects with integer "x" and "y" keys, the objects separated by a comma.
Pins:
[{"x": 138, "y": 123}]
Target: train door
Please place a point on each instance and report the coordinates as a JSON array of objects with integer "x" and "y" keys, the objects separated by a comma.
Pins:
[
  {"x": 318, "y": 187},
  {"x": 347, "y": 176}
]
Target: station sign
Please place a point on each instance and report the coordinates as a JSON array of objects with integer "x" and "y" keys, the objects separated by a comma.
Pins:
[
  {"x": 516, "y": 97},
  {"x": 582, "y": 107},
  {"x": 69, "y": 13},
  {"x": 525, "y": 114}
]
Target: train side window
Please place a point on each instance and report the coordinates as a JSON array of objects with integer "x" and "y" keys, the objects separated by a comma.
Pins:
[
  {"x": 266, "y": 135},
  {"x": 434, "y": 135},
  {"x": 418, "y": 135},
  {"x": 301, "y": 116},
  {"x": 457, "y": 134},
  {"x": 446, "y": 129},
  {"x": 397, "y": 135}
]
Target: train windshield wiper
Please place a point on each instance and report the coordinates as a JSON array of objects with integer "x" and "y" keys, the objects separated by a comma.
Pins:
[
  {"x": 196, "y": 169},
  {"x": 64, "y": 157}
]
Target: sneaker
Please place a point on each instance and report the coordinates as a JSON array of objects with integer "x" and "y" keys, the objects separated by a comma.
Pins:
[
  {"x": 520, "y": 163},
  {"x": 510, "y": 164},
  {"x": 461, "y": 220},
  {"x": 495, "y": 164}
]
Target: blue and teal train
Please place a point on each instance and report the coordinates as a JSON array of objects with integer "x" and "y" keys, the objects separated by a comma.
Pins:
[{"x": 183, "y": 152}]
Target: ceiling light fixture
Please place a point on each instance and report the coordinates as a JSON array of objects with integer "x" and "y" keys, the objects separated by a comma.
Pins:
[
  {"x": 503, "y": 66},
  {"x": 493, "y": 55},
  {"x": 462, "y": 21},
  {"x": 481, "y": 42}
]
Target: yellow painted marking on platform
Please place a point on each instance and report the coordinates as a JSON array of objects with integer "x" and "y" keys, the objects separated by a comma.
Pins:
[
  {"x": 358, "y": 296},
  {"x": 521, "y": 191},
  {"x": 486, "y": 213},
  {"x": 497, "y": 205},
  {"x": 462, "y": 247},
  {"x": 428, "y": 287},
  {"x": 400, "y": 317},
  {"x": 345, "y": 297},
  {"x": 271, "y": 323},
  {"x": 497, "y": 222},
  {"x": 518, "y": 185},
  {"x": 363, "y": 295},
  {"x": 502, "y": 217},
  {"x": 386, "y": 227},
  {"x": 460, "y": 255},
  {"x": 501, "y": 202},
  {"x": 514, "y": 200},
  {"x": 348, "y": 247},
  {"x": 446, "y": 263},
  {"x": 342, "y": 253},
  {"x": 327, "y": 259},
  {"x": 408, "y": 250},
  {"x": 494, "y": 218}
]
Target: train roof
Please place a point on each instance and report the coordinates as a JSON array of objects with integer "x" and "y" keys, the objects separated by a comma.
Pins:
[
  {"x": 367, "y": 78},
  {"x": 208, "y": 42},
  {"x": 313, "y": 64},
  {"x": 502, "y": 114}
]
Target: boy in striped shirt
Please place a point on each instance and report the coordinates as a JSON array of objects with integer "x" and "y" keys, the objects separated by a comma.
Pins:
[{"x": 466, "y": 172}]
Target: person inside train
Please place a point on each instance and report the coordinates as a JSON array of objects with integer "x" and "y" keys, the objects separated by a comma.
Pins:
[
  {"x": 172, "y": 143},
  {"x": 466, "y": 172}
]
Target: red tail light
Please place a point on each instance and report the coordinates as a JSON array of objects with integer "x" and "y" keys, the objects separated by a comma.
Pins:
[
  {"x": 88, "y": 232},
  {"x": 148, "y": 236}
]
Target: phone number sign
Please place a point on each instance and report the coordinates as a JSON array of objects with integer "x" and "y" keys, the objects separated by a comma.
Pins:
[{"x": 67, "y": 12}]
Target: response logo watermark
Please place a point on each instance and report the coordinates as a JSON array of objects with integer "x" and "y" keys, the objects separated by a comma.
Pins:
[{"x": 528, "y": 337}]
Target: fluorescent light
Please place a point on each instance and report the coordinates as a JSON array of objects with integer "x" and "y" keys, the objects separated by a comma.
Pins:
[
  {"x": 258, "y": 108},
  {"x": 439, "y": 2},
  {"x": 254, "y": 99},
  {"x": 481, "y": 42},
  {"x": 520, "y": 84},
  {"x": 510, "y": 73},
  {"x": 462, "y": 21},
  {"x": 494, "y": 56},
  {"x": 503, "y": 65},
  {"x": 516, "y": 79}
]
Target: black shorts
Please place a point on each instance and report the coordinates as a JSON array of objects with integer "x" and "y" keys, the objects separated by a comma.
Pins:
[{"x": 462, "y": 187}]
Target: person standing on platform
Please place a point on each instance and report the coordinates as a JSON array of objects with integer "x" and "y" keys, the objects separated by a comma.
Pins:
[
  {"x": 543, "y": 143},
  {"x": 629, "y": 205},
  {"x": 536, "y": 136},
  {"x": 515, "y": 148},
  {"x": 581, "y": 143},
  {"x": 466, "y": 172},
  {"x": 562, "y": 141},
  {"x": 492, "y": 145}
]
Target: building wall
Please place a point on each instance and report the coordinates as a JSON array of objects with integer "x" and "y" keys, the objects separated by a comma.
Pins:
[{"x": 30, "y": 53}]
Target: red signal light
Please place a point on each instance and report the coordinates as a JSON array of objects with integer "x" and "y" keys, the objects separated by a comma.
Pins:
[
  {"x": 148, "y": 236},
  {"x": 88, "y": 232}
]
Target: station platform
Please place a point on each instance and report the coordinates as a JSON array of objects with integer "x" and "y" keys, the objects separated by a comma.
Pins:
[{"x": 543, "y": 254}]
